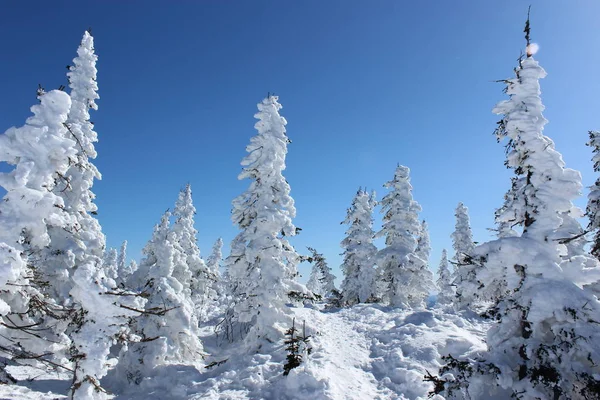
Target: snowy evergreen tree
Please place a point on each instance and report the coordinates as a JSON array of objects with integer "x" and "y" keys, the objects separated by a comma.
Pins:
[
  {"x": 122, "y": 268},
  {"x": 168, "y": 327},
  {"x": 111, "y": 263},
  {"x": 321, "y": 280},
  {"x": 213, "y": 262},
  {"x": 192, "y": 273},
  {"x": 401, "y": 228},
  {"x": 213, "y": 265},
  {"x": 464, "y": 270},
  {"x": 262, "y": 263},
  {"x": 593, "y": 206},
  {"x": 98, "y": 319},
  {"x": 544, "y": 345},
  {"x": 446, "y": 288},
  {"x": 359, "y": 254},
  {"x": 421, "y": 284},
  {"x": 40, "y": 153}
]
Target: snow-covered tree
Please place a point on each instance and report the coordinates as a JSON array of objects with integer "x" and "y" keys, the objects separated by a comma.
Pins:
[
  {"x": 263, "y": 264},
  {"x": 544, "y": 345},
  {"x": 213, "y": 265},
  {"x": 359, "y": 284},
  {"x": 321, "y": 280},
  {"x": 192, "y": 273},
  {"x": 122, "y": 267},
  {"x": 593, "y": 206},
  {"x": 98, "y": 319},
  {"x": 40, "y": 153},
  {"x": 111, "y": 263},
  {"x": 446, "y": 288},
  {"x": 421, "y": 284},
  {"x": 168, "y": 327},
  {"x": 400, "y": 228},
  {"x": 464, "y": 270},
  {"x": 213, "y": 262}
]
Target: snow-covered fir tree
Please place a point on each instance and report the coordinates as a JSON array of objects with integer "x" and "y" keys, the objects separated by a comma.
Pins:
[
  {"x": 593, "y": 205},
  {"x": 544, "y": 345},
  {"x": 167, "y": 330},
  {"x": 111, "y": 263},
  {"x": 321, "y": 280},
  {"x": 98, "y": 321},
  {"x": 400, "y": 228},
  {"x": 464, "y": 270},
  {"x": 446, "y": 291},
  {"x": 40, "y": 153},
  {"x": 421, "y": 284},
  {"x": 122, "y": 266},
  {"x": 358, "y": 266},
  {"x": 213, "y": 262},
  {"x": 213, "y": 265},
  {"x": 193, "y": 273},
  {"x": 263, "y": 264}
]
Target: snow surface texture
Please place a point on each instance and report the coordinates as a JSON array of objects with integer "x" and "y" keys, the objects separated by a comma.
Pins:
[{"x": 363, "y": 352}]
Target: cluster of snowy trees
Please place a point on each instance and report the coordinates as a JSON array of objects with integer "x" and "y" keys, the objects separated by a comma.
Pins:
[
  {"x": 538, "y": 277},
  {"x": 65, "y": 300},
  {"x": 69, "y": 302}
]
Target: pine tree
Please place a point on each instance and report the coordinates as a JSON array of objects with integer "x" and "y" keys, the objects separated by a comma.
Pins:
[
  {"x": 400, "y": 228},
  {"x": 464, "y": 270},
  {"x": 213, "y": 262},
  {"x": 30, "y": 208},
  {"x": 593, "y": 206},
  {"x": 446, "y": 289},
  {"x": 421, "y": 284},
  {"x": 123, "y": 271},
  {"x": 359, "y": 254},
  {"x": 321, "y": 280},
  {"x": 111, "y": 263},
  {"x": 192, "y": 273},
  {"x": 168, "y": 327},
  {"x": 545, "y": 342},
  {"x": 213, "y": 266},
  {"x": 262, "y": 263}
]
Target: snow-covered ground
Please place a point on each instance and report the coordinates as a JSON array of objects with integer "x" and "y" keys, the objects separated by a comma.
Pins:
[{"x": 363, "y": 352}]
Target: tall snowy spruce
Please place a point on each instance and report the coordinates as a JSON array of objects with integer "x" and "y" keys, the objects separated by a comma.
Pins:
[
  {"x": 263, "y": 264},
  {"x": 359, "y": 284},
  {"x": 193, "y": 273},
  {"x": 446, "y": 291},
  {"x": 401, "y": 228},
  {"x": 321, "y": 280},
  {"x": 464, "y": 270},
  {"x": 81, "y": 252},
  {"x": 593, "y": 205},
  {"x": 213, "y": 262},
  {"x": 545, "y": 343},
  {"x": 422, "y": 283}
]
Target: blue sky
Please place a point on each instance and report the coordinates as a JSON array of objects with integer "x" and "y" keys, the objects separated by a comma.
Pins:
[{"x": 364, "y": 85}]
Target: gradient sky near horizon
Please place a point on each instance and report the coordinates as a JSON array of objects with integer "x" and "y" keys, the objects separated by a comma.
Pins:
[{"x": 364, "y": 85}]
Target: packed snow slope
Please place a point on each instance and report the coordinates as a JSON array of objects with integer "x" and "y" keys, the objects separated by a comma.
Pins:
[{"x": 362, "y": 352}]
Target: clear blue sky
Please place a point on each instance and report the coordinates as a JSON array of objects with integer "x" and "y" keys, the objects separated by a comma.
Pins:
[{"x": 364, "y": 85}]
